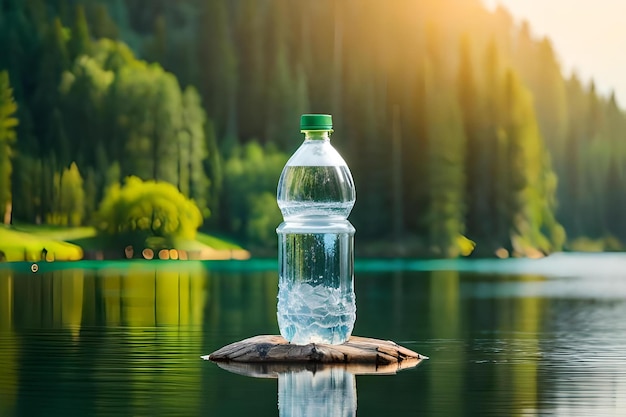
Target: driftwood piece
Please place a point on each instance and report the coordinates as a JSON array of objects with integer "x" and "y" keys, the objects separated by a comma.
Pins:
[{"x": 363, "y": 355}]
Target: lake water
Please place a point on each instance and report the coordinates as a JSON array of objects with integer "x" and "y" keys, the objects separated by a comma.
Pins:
[{"x": 504, "y": 337}]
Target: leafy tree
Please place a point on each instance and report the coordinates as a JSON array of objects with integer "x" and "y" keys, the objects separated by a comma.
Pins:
[
  {"x": 110, "y": 91},
  {"x": 148, "y": 104},
  {"x": 139, "y": 209},
  {"x": 84, "y": 91}
]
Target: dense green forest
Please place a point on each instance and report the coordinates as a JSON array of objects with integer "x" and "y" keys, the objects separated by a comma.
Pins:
[{"x": 454, "y": 120}]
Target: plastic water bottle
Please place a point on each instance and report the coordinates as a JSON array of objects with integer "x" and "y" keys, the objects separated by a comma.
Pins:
[{"x": 316, "y": 302}]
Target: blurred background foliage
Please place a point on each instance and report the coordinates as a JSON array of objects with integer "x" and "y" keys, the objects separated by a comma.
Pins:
[
  {"x": 140, "y": 210},
  {"x": 455, "y": 121}
]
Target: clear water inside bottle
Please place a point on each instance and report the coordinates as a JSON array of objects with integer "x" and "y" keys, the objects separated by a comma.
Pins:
[
  {"x": 316, "y": 191},
  {"x": 316, "y": 301}
]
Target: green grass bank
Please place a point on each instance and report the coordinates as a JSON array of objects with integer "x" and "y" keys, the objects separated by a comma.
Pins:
[{"x": 32, "y": 243}]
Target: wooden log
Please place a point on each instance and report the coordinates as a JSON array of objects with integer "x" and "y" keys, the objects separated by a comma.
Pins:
[{"x": 372, "y": 354}]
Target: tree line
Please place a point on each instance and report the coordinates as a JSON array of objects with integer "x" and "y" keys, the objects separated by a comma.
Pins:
[{"x": 455, "y": 121}]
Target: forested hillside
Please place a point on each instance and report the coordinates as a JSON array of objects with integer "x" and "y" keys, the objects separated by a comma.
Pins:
[{"x": 454, "y": 120}]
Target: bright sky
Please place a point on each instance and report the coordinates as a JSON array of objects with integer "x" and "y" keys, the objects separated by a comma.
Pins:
[{"x": 589, "y": 37}]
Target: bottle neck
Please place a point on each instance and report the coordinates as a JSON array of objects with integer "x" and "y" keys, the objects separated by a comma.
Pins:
[{"x": 316, "y": 135}]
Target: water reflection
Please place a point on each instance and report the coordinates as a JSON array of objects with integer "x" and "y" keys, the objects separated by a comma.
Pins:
[
  {"x": 77, "y": 341},
  {"x": 315, "y": 390},
  {"x": 72, "y": 298},
  {"x": 122, "y": 338},
  {"x": 137, "y": 296},
  {"x": 104, "y": 341},
  {"x": 307, "y": 390},
  {"x": 328, "y": 392}
]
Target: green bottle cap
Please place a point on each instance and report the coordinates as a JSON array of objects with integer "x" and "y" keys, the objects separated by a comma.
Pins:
[{"x": 316, "y": 122}]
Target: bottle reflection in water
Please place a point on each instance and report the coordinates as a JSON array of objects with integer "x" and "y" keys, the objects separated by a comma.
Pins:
[
  {"x": 316, "y": 302},
  {"x": 327, "y": 393}
]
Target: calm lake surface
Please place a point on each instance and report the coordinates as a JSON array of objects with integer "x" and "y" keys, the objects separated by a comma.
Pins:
[{"x": 505, "y": 338}]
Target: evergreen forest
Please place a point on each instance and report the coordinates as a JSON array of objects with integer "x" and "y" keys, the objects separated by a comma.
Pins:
[{"x": 459, "y": 125}]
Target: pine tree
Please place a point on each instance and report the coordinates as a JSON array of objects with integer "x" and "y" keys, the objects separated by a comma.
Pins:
[
  {"x": 80, "y": 41},
  {"x": 572, "y": 179},
  {"x": 369, "y": 159},
  {"x": 8, "y": 123},
  {"x": 550, "y": 100},
  {"x": 249, "y": 38},
  {"x": 90, "y": 188},
  {"x": 56, "y": 137},
  {"x": 28, "y": 179},
  {"x": 287, "y": 100},
  {"x": 103, "y": 26},
  {"x": 496, "y": 173},
  {"x": 73, "y": 196},
  {"x": 530, "y": 197},
  {"x": 595, "y": 159},
  {"x": 214, "y": 168},
  {"x": 194, "y": 120},
  {"x": 477, "y": 155},
  {"x": 445, "y": 212},
  {"x": 217, "y": 60},
  {"x": 54, "y": 60},
  {"x": 157, "y": 48}
]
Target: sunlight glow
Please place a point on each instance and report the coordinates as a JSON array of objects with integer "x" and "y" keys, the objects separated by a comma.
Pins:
[{"x": 588, "y": 37}]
